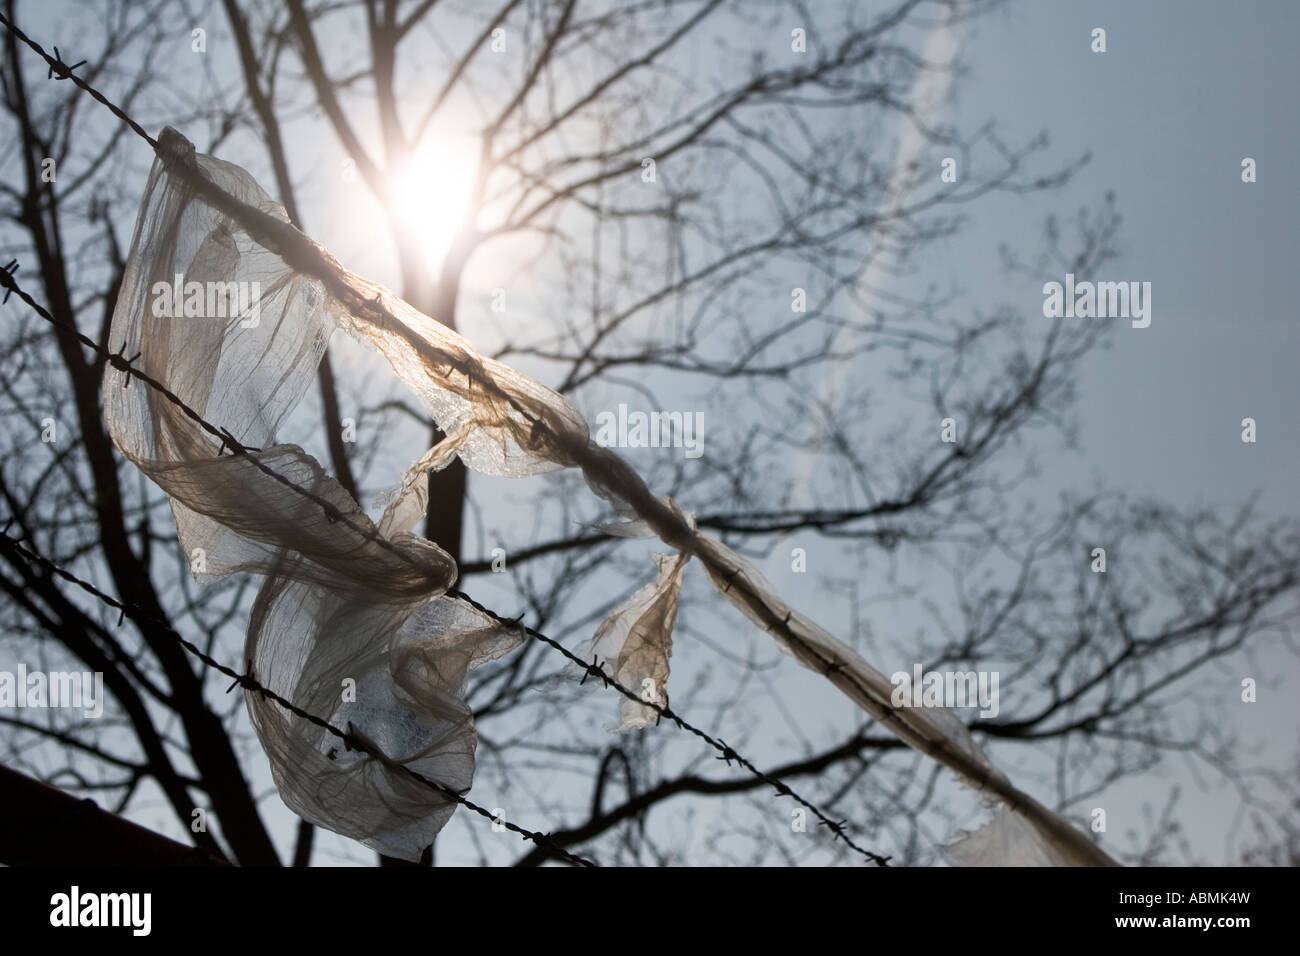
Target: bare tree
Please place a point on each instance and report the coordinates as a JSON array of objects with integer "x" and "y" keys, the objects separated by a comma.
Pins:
[{"x": 692, "y": 198}]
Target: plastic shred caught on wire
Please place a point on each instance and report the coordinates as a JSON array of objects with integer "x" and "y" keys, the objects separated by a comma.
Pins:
[
  {"x": 344, "y": 599},
  {"x": 347, "y": 598}
]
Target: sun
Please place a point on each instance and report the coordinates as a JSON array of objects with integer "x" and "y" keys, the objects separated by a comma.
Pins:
[{"x": 431, "y": 194}]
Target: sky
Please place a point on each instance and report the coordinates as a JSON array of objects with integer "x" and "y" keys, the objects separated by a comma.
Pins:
[{"x": 1184, "y": 92}]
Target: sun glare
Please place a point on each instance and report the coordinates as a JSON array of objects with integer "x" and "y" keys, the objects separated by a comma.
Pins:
[{"x": 433, "y": 192}]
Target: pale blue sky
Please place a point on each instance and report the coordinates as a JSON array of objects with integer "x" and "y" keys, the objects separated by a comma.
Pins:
[{"x": 1184, "y": 92}]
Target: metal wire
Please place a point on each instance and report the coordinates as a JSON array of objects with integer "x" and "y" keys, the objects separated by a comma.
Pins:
[
  {"x": 122, "y": 363},
  {"x": 249, "y": 682},
  {"x": 593, "y": 668}
]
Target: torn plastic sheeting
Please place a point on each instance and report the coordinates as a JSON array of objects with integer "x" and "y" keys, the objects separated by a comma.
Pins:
[
  {"x": 634, "y": 643},
  {"x": 210, "y": 218},
  {"x": 343, "y": 600}
]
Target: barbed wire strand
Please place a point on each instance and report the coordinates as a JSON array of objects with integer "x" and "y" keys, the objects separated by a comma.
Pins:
[
  {"x": 249, "y": 682},
  {"x": 122, "y": 363},
  {"x": 592, "y": 668}
]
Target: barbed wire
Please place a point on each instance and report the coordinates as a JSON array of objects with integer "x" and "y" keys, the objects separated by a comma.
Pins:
[
  {"x": 592, "y": 668},
  {"x": 118, "y": 360},
  {"x": 247, "y": 681}
]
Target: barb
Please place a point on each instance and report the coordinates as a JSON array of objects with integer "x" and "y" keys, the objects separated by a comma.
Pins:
[
  {"x": 349, "y": 737},
  {"x": 64, "y": 70},
  {"x": 10, "y": 268},
  {"x": 60, "y": 70},
  {"x": 120, "y": 362}
]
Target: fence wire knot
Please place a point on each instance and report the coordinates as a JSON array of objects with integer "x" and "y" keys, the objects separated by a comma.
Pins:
[
  {"x": 246, "y": 680},
  {"x": 63, "y": 70},
  {"x": 7, "y": 279},
  {"x": 123, "y": 364},
  {"x": 594, "y": 670},
  {"x": 237, "y": 447},
  {"x": 837, "y": 828}
]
